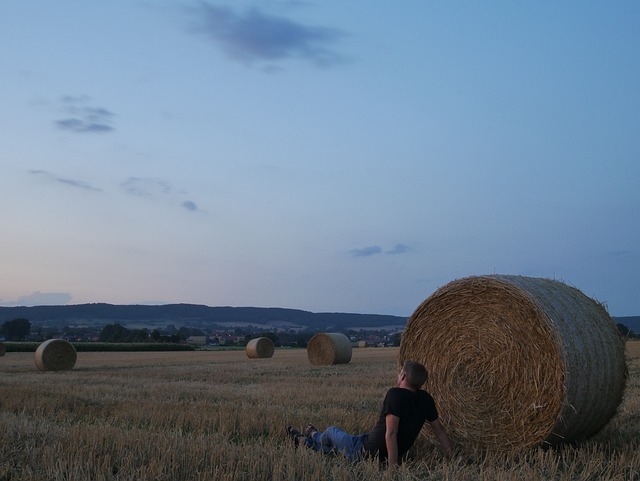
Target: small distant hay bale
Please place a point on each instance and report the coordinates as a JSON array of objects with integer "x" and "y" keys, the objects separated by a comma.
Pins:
[
  {"x": 326, "y": 349},
  {"x": 363, "y": 344},
  {"x": 55, "y": 355},
  {"x": 516, "y": 362},
  {"x": 3, "y": 349},
  {"x": 260, "y": 347}
]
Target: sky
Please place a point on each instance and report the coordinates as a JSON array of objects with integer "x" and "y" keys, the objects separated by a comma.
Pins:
[{"x": 331, "y": 156}]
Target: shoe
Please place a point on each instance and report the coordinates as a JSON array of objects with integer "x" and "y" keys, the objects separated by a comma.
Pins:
[
  {"x": 294, "y": 435},
  {"x": 309, "y": 430}
]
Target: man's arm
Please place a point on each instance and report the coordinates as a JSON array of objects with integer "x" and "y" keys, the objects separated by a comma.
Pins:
[
  {"x": 391, "y": 438},
  {"x": 442, "y": 436}
]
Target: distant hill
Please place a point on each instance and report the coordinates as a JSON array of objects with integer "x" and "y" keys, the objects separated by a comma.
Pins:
[
  {"x": 200, "y": 316},
  {"x": 632, "y": 322},
  {"x": 190, "y": 315}
]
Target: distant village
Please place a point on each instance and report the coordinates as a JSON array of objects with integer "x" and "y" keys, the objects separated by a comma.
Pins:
[
  {"x": 290, "y": 338},
  {"x": 232, "y": 334}
]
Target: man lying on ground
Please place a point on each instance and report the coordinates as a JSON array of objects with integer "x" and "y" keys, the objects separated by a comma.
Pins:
[{"x": 404, "y": 411}]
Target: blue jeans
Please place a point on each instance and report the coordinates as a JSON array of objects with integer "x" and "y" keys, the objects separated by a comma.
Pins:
[{"x": 334, "y": 439}]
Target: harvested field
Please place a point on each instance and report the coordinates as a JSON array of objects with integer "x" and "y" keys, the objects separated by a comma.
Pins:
[{"x": 219, "y": 415}]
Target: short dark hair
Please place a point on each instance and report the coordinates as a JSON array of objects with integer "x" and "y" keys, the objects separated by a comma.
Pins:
[{"x": 416, "y": 373}]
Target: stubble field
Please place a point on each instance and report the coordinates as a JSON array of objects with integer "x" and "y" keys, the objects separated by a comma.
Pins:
[{"x": 213, "y": 415}]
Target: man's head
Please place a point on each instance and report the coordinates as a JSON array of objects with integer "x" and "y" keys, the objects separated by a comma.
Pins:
[{"x": 415, "y": 374}]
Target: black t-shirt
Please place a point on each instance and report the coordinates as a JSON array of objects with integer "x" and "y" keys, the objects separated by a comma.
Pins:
[{"x": 413, "y": 409}]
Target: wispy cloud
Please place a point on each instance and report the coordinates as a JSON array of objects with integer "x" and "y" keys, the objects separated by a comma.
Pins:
[
  {"x": 375, "y": 250},
  {"x": 398, "y": 249},
  {"x": 78, "y": 183},
  {"x": 366, "y": 251},
  {"x": 84, "y": 118},
  {"x": 146, "y": 187},
  {"x": 156, "y": 189},
  {"x": 620, "y": 253},
  {"x": 258, "y": 36},
  {"x": 39, "y": 299},
  {"x": 71, "y": 182}
]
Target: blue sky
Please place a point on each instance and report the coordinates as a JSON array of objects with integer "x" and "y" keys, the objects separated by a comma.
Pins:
[{"x": 347, "y": 156}]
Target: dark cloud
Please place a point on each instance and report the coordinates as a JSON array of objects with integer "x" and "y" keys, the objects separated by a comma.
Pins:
[
  {"x": 257, "y": 36},
  {"x": 366, "y": 251},
  {"x": 39, "y": 299},
  {"x": 72, "y": 182},
  {"x": 189, "y": 205},
  {"x": 398, "y": 249},
  {"x": 83, "y": 118}
]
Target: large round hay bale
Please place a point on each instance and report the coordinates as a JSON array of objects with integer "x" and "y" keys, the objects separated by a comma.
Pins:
[
  {"x": 516, "y": 362},
  {"x": 260, "y": 347},
  {"x": 325, "y": 349},
  {"x": 56, "y": 355},
  {"x": 3, "y": 349}
]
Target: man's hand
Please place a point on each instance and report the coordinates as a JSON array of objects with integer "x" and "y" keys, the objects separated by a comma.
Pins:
[{"x": 442, "y": 436}]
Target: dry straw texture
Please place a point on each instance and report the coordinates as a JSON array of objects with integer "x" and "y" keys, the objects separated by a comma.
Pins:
[
  {"x": 325, "y": 349},
  {"x": 517, "y": 362},
  {"x": 260, "y": 347},
  {"x": 3, "y": 349},
  {"x": 216, "y": 415},
  {"x": 56, "y": 355}
]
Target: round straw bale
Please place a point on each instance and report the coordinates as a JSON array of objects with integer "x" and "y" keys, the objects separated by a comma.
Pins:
[
  {"x": 3, "y": 349},
  {"x": 325, "y": 349},
  {"x": 56, "y": 355},
  {"x": 260, "y": 347},
  {"x": 515, "y": 362}
]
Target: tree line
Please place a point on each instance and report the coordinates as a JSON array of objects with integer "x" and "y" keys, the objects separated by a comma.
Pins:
[
  {"x": 15, "y": 330},
  {"x": 18, "y": 330}
]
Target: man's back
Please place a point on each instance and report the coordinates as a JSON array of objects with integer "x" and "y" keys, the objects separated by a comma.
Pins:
[{"x": 413, "y": 408}]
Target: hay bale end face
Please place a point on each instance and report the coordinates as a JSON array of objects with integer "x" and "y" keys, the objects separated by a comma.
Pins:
[
  {"x": 516, "y": 362},
  {"x": 55, "y": 355},
  {"x": 3, "y": 349},
  {"x": 326, "y": 349},
  {"x": 260, "y": 347}
]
